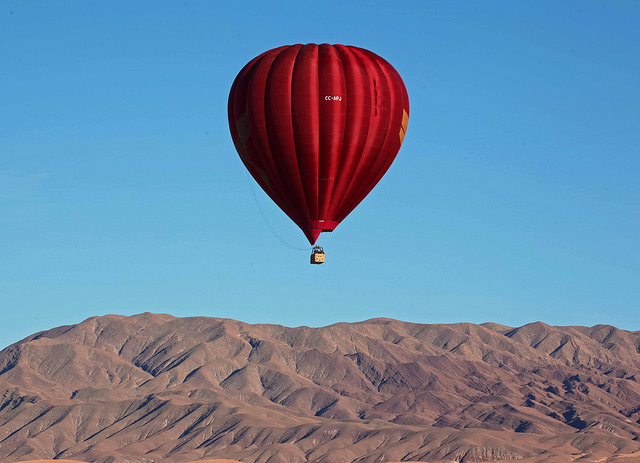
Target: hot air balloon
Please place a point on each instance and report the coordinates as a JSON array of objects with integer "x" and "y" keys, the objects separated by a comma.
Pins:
[{"x": 317, "y": 126}]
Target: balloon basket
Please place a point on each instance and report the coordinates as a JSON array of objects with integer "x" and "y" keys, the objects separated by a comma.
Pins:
[{"x": 317, "y": 256}]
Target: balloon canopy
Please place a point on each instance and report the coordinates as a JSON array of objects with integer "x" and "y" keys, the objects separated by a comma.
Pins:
[{"x": 317, "y": 126}]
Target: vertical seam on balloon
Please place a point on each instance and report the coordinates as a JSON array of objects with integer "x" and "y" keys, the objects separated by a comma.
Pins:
[
  {"x": 374, "y": 171},
  {"x": 244, "y": 80},
  {"x": 317, "y": 147},
  {"x": 377, "y": 170},
  {"x": 331, "y": 207},
  {"x": 294, "y": 186},
  {"x": 281, "y": 195},
  {"x": 325, "y": 199},
  {"x": 375, "y": 97},
  {"x": 301, "y": 165},
  {"x": 346, "y": 102},
  {"x": 363, "y": 57},
  {"x": 268, "y": 155}
]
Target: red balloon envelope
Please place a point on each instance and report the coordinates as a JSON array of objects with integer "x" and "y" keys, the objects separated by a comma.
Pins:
[{"x": 317, "y": 126}]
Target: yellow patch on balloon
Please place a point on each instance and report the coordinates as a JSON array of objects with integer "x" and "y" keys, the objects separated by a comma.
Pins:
[{"x": 405, "y": 123}]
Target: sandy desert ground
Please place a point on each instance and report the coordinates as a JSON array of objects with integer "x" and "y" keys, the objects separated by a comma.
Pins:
[
  {"x": 630, "y": 458},
  {"x": 78, "y": 461}
]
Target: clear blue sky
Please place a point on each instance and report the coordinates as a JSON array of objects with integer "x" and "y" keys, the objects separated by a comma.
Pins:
[{"x": 515, "y": 197}]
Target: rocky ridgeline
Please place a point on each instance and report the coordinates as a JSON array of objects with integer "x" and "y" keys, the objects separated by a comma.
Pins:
[{"x": 155, "y": 388}]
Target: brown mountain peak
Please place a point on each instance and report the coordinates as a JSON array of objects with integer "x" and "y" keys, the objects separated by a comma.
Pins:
[{"x": 156, "y": 387}]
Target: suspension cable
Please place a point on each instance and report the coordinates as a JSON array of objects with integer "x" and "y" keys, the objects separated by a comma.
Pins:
[{"x": 266, "y": 221}]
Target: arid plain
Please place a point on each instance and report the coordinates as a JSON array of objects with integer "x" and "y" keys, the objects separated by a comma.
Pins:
[{"x": 155, "y": 388}]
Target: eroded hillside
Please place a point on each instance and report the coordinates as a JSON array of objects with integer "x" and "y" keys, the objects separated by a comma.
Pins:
[{"x": 154, "y": 388}]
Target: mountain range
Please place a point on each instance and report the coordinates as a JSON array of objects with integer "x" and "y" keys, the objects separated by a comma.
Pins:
[{"x": 157, "y": 388}]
